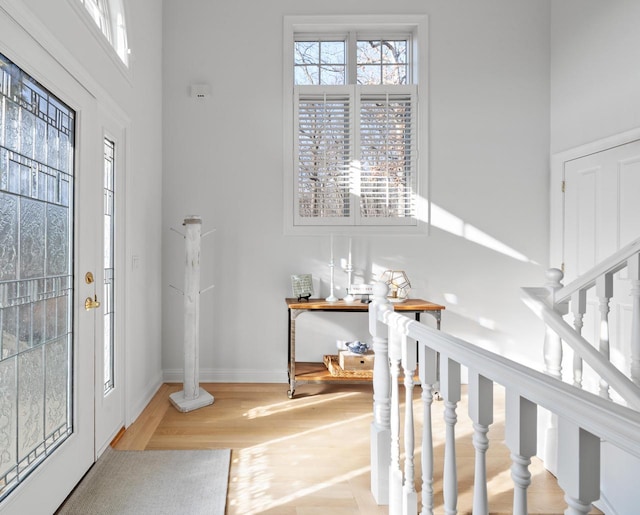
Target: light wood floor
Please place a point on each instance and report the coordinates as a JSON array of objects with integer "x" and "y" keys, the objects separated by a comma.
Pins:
[{"x": 310, "y": 455}]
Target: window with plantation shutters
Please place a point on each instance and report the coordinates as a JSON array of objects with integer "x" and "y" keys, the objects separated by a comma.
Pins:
[
  {"x": 356, "y": 155},
  {"x": 355, "y": 120}
]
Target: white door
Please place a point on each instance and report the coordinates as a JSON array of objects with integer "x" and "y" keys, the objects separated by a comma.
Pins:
[
  {"x": 601, "y": 215},
  {"x": 109, "y": 377},
  {"x": 50, "y": 154}
]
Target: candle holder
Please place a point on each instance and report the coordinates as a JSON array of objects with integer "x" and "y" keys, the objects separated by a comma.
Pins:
[
  {"x": 349, "y": 270},
  {"x": 331, "y": 297}
]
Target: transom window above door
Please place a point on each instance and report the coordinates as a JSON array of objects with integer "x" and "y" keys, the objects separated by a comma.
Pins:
[{"x": 109, "y": 18}]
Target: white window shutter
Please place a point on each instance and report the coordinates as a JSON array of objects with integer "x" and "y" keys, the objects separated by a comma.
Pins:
[
  {"x": 388, "y": 155},
  {"x": 356, "y": 155},
  {"x": 323, "y": 152}
]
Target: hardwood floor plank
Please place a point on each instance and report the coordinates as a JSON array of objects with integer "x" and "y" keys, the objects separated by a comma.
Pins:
[{"x": 310, "y": 455}]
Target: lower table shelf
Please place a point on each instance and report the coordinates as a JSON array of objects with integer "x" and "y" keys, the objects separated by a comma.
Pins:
[{"x": 315, "y": 373}]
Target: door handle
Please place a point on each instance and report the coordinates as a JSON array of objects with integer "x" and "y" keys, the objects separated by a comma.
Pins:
[{"x": 90, "y": 303}]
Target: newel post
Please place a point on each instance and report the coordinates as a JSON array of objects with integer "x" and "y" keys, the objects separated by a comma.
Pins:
[
  {"x": 381, "y": 425},
  {"x": 553, "y": 366},
  {"x": 552, "y": 342}
]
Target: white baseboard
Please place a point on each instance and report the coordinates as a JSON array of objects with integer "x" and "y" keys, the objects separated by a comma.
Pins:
[
  {"x": 604, "y": 505},
  {"x": 213, "y": 375},
  {"x": 133, "y": 412}
]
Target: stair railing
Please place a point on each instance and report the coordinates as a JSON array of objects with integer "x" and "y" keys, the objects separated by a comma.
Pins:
[
  {"x": 584, "y": 419},
  {"x": 555, "y": 300}
]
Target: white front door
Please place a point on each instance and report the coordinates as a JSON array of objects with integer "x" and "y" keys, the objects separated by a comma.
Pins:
[{"x": 50, "y": 183}]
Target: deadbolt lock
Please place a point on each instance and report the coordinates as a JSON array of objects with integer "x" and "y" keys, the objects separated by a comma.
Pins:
[{"x": 88, "y": 278}]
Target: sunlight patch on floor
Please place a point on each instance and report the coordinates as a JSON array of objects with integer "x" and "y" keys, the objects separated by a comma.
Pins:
[
  {"x": 260, "y": 490},
  {"x": 282, "y": 407}
]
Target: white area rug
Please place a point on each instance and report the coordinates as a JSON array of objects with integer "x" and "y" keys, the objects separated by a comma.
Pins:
[{"x": 153, "y": 482}]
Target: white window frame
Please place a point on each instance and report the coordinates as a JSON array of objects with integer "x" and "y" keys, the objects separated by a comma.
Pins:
[
  {"x": 115, "y": 39},
  {"x": 382, "y": 26}
]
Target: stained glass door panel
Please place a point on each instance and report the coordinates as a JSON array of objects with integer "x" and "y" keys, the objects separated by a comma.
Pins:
[{"x": 36, "y": 274}]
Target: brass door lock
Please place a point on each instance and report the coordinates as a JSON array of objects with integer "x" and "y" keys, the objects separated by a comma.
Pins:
[{"x": 90, "y": 303}]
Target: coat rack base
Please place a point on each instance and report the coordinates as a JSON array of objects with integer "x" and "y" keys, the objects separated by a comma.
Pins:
[{"x": 182, "y": 404}]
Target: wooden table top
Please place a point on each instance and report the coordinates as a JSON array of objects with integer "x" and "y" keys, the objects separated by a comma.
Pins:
[{"x": 341, "y": 305}]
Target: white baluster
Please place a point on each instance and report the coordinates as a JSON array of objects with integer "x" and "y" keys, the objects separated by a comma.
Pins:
[
  {"x": 604, "y": 292},
  {"x": 633, "y": 265},
  {"x": 395, "y": 472},
  {"x": 520, "y": 437},
  {"x": 450, "y": 389},
  {"x": 409, "y": 364},
  {"x": 578, "y": 467},
  {"x": 481, "y": 413},
  {"x": 428, "y": 377},
  {"x": 578, "y": 308},
  {"x": 380, "y": 427}
]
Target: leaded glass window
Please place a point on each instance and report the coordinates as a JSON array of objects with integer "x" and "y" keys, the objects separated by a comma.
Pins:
[
  {"x": 36, "y": 282},
  {"x": 109, "y": 255}
]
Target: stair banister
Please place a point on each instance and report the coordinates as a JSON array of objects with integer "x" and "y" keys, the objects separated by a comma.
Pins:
[
  {"x": 558, "y": 298},
  {"x": 611, "y": 265},
  {"x": 535, "y": 298},
  {"x": 618, "y": 424},
  {"x": 590, "y": 418}
]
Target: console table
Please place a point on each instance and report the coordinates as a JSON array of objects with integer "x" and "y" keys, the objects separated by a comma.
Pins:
[{"x": 301, "y": 373}]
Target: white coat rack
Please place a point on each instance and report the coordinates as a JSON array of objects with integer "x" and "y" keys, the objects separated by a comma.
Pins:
[{"x": 192, "y": 396}]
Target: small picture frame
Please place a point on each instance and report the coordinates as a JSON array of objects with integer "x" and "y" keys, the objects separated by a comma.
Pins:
[{"x": 302, "y": 286}]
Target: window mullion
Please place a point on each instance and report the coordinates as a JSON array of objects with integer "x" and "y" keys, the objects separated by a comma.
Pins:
[
  {"x": 356, "y": 165},
  {"x": 352, "y": 70}
]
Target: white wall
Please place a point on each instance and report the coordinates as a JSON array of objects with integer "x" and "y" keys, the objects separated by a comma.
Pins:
[
  {"x": 595, "y": 76},
  {"x": 137, "y": 100},
  {"x": 489, "y": 140}
]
